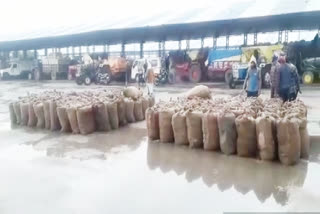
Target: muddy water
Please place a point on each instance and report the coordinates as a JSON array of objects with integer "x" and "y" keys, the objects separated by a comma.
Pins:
[{"x": 121, "y": 172}]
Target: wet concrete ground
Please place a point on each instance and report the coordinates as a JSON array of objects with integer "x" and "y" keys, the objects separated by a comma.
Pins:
[{"x": 121, "y": 172}]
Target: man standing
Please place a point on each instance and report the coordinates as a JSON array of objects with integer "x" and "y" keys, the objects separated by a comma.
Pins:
[
  {"x": 273, "y": 76},
  {"x": 150, "y": 81},
  {"x": 283, "y": 78},
  {"x": 252, "y": 83},
  {"x": 294, "y": 80}
]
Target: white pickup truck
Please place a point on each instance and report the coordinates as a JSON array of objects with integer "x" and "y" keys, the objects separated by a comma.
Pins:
[
  {"x": 22, "y": 69},
  {"x": 138, "y": 67}
]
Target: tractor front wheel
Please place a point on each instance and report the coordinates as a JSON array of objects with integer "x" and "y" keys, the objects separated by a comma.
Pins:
[
  {"x": 195, "y": 73},
  {"x": 307, "y": 78}
]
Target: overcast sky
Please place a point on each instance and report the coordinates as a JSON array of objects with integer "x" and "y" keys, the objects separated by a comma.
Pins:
[{"x": 22, "y": 19}]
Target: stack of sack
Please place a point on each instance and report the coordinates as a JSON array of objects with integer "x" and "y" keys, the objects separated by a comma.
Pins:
[
  {"x": 81, "y": 112},
  {"x": 249, "y": 127}
]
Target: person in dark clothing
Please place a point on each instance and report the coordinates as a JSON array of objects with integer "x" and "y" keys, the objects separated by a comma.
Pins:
[
  {"x": 283, "y": 80},
  {"x": 295, "y": 84},
  {"x": 273, "y": 76}
]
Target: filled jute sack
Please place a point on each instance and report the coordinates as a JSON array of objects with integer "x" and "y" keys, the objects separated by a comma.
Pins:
[
  {"x": 63, "y": 119},
  {"x": 265, "y": 138},
  {"x": 152, "y": 119},
  {"x": 152, "y": 101},
  {"x": 227, "y": 133},
  {"x": 113, "y": 114},
  {"x": 132, "y": 92},
  {"x": 17, "y": 112},
  {"x": 72, "y": 116},
  {"x": 13, "y": 117},
  {"x": 138, "y": 112},
  {"x": 201, "y": 91},
  {"x": 288, "y": 141},
  {"x": 165, "y": 126},
  {"x": 32, "y": 121},
  {"x": 54, "y": 120},
  {"x": 304, "y": 139},
  {"x": 46, "y": 110},
  {"x": 247, "y": 140},
  {"x": 145, "y": 105},
  {"x": 38, "y": 110},
  {"x": 179, "y": 126},
  {"x": 194, "y": 129},
  {"x": 122, "y": 112},
  {"x": 101, "y": 116},
  {"x": 85, "y": 119},
  {"x": 210, "y": 131},
  {"x": 129, "y": 106},
  {"x": 24, "y": 108}
]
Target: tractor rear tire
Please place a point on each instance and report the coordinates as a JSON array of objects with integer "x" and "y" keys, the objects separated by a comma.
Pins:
[
  {"x": 307, "y": 78},
  {"x": 195, "y": 74},
  {"x": 228, "y": 77},
  {"x": 87, "y": 80}
]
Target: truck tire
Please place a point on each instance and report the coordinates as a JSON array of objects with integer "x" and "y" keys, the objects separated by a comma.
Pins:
[
  {"x": 232, "y": 84},
  {"x": 266, "y": 80},
  {"x": 172, "y": 76},
  {"x": 228, "y": 77},
  {"x": 53, "y": 76},
  {"x": 87, "y": 80},
  {"x": 79, "y": 80},
  {"x": 307, "y": 77},
  {"x": 5, "y": 76},
  {"x": 195, "y": 73}
]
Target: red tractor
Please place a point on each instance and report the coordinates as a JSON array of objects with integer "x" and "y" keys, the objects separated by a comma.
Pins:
[{"x": 187, "y": 66}]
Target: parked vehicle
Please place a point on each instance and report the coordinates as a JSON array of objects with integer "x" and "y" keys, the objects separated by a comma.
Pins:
[
  {"x": 305, "y": 56},
  {"x": 161, "y": 78},
  {"x": 220, "y": 63},
  {"x": 19, "y": 69},
  {"x": 139, "y": 67},
  {"x": 263, "y": 54},
  {"x": 187, "y": 65},
  {"x": 92, "y": 73},
  {"x": 118, "y": 68},
  {"x": 55, "y": 66}
]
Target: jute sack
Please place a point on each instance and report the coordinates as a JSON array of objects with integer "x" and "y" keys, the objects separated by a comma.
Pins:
[
  {"x": 85, "y": 119},
  {"x": 194, "y": 127},
  {"x": 17, "y": 112},
  {"x": 24, "y": 108},
  {"x": 210, "y": 131},
  {"x": 247, "y": 139},
  {"x": 179, "y": 125},
  {"x": 13, "y": 117},
  {"x": 38, "y": 110},
  {"x": 129, "y": 106},
  {"x": 101, "y": 116},
  {"x": 54, "y": 120},
  {"x": 63, "y": 119},
  {"x": 72, "y": 116},
  {"x": 265, "y": 138},
  {"x": 113, "y": 114},
  {"x": 165, "y": 126},
  {"x": 227, "y": 133},
  {"x": 289, "y": 141},
  {"x": 152, "y": 119},
  {"x": 138, "y": 112},
  {"x": 32, "y": 121},
  {"x": 199, "y": 91},
  {"x": 46, "y": 110},
  {"x": 121, "y": 112}
]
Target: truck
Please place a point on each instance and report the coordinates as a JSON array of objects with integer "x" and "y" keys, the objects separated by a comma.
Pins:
[
  {"x": 19, "y": 69},
  {"x": 305, "y": 55},
  {"x": 220, "y": 62},
  {"x": 187, "y": 65},
  {"x": 55, "y": 66},
  {"x": 263, "y": 55}
]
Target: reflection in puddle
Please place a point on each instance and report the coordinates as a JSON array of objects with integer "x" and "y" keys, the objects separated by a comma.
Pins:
[{"x": 244, "y": 174}]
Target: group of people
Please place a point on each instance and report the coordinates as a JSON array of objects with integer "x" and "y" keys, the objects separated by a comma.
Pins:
[{"x": 284, "y": 79}]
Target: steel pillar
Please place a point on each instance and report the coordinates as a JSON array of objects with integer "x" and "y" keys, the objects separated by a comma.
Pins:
[
  {"x": 280, "y": 37},
  {"x": 179, "y": 45},
  {"x": 245, "y": 39},
  {"x": 202, "y": 42},
  {"x": 80, "y": 54},
  {"x": 227, "y": 42},
  {"x": 159, "y": 49},
  {"x": 88, "y": 49},
  {"x": 187, "y": 44},
  {"x": 35, "y": 54},
  {"x": 93, "y": 48},
  {"x": 164, "y": 48},
  {"x": 255, "y": 38},
  {"x": 286, "y": 36},
  {"x": 141, "y": 50},
  {"x": 214, "y": 44},
  {"x": 123, "y": 50},
  {"x": 72, "y": 51},
  {"x": 24, "y": 54},
  {"x": 104, "y": 48}
]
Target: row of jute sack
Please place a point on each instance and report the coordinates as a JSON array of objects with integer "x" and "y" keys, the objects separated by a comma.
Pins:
[
  {"x": 79, "y": 112},
  {"x": 267, "y": 129}
]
